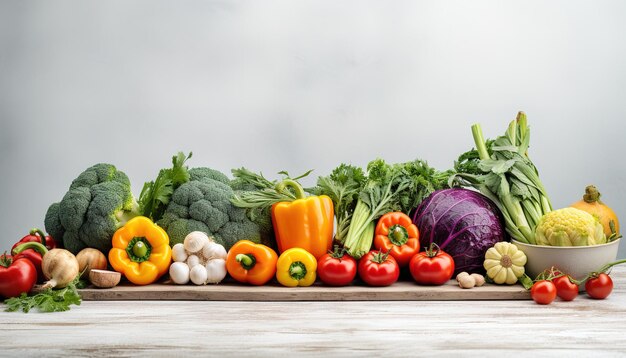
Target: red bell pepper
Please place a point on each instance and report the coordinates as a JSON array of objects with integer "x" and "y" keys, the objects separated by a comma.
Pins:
[
  {"x": 33, "y": 252},
  {"x": 16, "y": 276},
  {"x": 37, "y": 235},
  {"x": 35, "y": 256},
  {"x": 396, "y": 234}
]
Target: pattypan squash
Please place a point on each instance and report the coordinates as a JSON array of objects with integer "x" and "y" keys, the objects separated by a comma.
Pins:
[{"x": 504, "y": 263}]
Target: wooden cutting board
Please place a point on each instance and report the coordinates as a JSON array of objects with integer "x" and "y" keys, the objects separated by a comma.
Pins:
[{"x": 231, "y": 291}]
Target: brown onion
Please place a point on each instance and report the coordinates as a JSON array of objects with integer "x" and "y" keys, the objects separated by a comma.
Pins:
[
  {"x": 89, "y": 259},
  {"x": 60, "y": 267}
]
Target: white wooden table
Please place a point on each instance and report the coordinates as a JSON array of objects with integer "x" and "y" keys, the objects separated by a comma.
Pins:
[{"x": 583, "y": 327}]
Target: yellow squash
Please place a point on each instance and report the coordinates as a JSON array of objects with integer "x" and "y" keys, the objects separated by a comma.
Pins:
[{"x": 504, "y": 263}]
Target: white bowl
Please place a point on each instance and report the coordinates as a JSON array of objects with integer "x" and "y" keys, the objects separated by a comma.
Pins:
[{"x": 576, "y": 261}]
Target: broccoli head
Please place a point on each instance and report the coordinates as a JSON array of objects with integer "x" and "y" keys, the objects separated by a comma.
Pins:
[
  {"x": 203, "y": 204},
  {"x": 97, "y": 203}
]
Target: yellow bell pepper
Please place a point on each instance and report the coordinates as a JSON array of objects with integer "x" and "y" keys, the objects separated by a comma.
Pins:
[
  {"x": 306, "y": 222},
  {"x": 296, "y": 267},
  {"x": 141, "y": 251}
]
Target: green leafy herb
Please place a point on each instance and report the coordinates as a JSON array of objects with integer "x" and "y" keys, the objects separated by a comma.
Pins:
[
  {"x": 343, "y": 186},
  {"x": 155, "y": 195},
  {"x": 397, "y": 187},
  {"x": 50, "y": 300}
]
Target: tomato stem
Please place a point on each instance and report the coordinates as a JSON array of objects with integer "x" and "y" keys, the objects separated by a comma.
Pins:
[
  {"x": 5, "y": 260},
  {"x": 337, "y": 253},
  {"x": 432, "y": 250},
  {"x": 379, "y": 257}
]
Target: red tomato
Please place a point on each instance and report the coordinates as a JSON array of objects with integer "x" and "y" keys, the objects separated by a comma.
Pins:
[
  {"x": 378, "y": 269},
  {"x": 543, "y": 292},
  {"x": 599, "y": 287},
  {"x": 336, "y": 269},
  {"x": 16, "y": 276},
  {"x": 432, "y": 267},
  {"x": 565, "y": 289}
]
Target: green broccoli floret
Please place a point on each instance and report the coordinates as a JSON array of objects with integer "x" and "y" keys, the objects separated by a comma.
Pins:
[
  {"x": 201, "y": 174},
  {"x": 203, "y": 204},
  {"x": 97, "y": 203}
]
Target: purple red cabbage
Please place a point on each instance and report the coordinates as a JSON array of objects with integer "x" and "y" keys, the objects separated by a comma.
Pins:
[{"x": 464, "y": 223}]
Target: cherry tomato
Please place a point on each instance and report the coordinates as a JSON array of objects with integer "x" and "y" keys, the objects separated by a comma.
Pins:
[
  {"x": 543, "y": 292},
  {"x": 432, "y": 267},
  {"x": 565, "y": 288},
  {"x": 599, "y": 287},
  {"x": 336, "y": 268},
  {"x": 378, "y": 269}
]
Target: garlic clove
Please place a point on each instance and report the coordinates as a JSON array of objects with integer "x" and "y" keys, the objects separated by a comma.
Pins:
[
  {"x": 214, "y": 251},
  {"x": 198, "y": 275},
  {"x": 193, "y": 261},
  {"x": 479, "y": 279},
  {"x": 216, "y": 270}
]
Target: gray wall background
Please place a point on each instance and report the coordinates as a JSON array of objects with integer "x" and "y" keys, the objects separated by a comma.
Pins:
[{"x": 294, "y": 85}]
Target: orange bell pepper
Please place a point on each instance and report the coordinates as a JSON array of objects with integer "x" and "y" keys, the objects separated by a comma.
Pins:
[
  {"x": 306, "y": 222},
  {"x": 396, "y": 234},
  {"x": 251, "y": 263}
]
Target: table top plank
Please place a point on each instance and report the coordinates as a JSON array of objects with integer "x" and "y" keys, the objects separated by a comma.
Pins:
[
  {"x": 397, "y": 328},
  {"x": 233, "y": 291}
]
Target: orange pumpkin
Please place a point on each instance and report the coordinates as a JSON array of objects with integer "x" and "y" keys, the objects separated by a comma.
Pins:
[{"x": 591, "y": 203}]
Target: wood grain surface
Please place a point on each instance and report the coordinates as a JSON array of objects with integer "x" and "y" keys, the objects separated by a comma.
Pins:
[
  {"x": 400, "y": 291},
  {"x": 518, "y": 328}
]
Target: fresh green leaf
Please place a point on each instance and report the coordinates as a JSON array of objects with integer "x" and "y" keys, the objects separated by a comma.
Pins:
[
  {"x": 156, "y": 194},
  {"x": 508, "y": 177},
  {"x": 50, "y": 300},
  {"x": 343, "y": 186},
  {"x": 179, "y": 173}
]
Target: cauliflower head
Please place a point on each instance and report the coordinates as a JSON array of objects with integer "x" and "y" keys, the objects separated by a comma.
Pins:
[
  {"x": 97, "y": 203},
  {"x": 569, "y": 227},
  {"x": 203, "y": 204}
]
